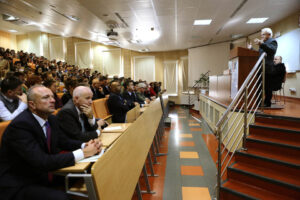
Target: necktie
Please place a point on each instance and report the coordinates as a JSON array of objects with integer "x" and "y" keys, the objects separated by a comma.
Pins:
[
  {"x": 48, "y": 133},
  {"x": 81, "y": 119}
]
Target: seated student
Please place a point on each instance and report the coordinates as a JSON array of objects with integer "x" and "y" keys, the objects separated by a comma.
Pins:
[
  {"x": 97, "y": 90},
  {"x": 12, "y": 100},
  {"x": 70, "y": 85},
  {"x": 116, "y": 104},
  {"x": 30, "y": 151},
  {"x": 104, "y": 85},
  {"x": 129, "y": 94},
  {"x": 141, "y": 99},
  {"x": 51, "y": 84},
  {"x": 76, "y": 118},
  {"x": 151, "y": 90}
]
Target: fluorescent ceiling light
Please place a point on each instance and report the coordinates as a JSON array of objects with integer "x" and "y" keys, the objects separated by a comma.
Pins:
[
  {"x": 12, "y": 31},
  {"x": 73, "y": 18},
  {"x": 257, "y": 20},
  {"x": 236, "y": 36},
  {"x": 202, "y": 22}
]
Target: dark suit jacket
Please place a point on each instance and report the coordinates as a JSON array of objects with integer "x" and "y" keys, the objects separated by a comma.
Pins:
[
  {"x": 130, "y": 99},
  {"x": 69, "y": 123},
  {"x": 117, "y": 107},
  {"x": 105, "y": 90},
  {"x": 24, "y": 156},
  {"x": 270, "y": 47},
  {"x": 97, "y": 94}
]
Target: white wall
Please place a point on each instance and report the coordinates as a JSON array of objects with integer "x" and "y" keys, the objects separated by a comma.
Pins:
[{"x": 211, "y": 57}]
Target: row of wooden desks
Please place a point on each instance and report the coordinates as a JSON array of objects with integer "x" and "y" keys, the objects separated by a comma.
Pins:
[{"x": 108, "y": 136}]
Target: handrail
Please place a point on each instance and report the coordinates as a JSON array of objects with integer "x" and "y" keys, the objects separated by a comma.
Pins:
[
  {"x": 237, "y": 130},
  {"x": 241, "y": 89}
]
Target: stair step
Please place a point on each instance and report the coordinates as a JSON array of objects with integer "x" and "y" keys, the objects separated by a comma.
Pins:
[
  {"x": 263, "y": 182},
  {"x": 276, "y": 133},
  {"x": 275, "y": 140},
  {"x": 271, "y": 173},
  {"x": 276, "y": 151},
  {"x": 240, "y": 190},
  {"x": 274, "y": 120},
  {"x": 265, "y": 162}
]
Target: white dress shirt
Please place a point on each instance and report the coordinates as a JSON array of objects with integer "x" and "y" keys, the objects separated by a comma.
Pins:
[
  {"x": 6, "y": 115},
  {"x": 78, "y": 154}
]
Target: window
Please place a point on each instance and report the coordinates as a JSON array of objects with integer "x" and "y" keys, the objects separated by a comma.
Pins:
[
  {"x": 112, "y": 62},
  {"x": 83, "y": 54},
  {"x": 57, "y": 48},
  {"x": 144, "y": 68},
  {"x": 171, "y": 77},
  {"x": 184, "y": 73}
]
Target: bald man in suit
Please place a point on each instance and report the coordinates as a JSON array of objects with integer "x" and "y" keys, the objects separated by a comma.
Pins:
[{"x": 30, "y": 151}]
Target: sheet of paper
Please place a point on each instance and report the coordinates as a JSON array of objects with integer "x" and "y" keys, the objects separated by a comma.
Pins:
[
  {"x": 114, "y": 128},
  {"x": 93, "y": 158}
]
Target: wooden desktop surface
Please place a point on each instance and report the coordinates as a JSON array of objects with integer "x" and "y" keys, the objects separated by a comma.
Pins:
[
  {"x": 116, "y": 173},
  {"x": 124, "y": 127},
  {"x": 77, "y": 168},
  {"x": 108, "y": 138}
]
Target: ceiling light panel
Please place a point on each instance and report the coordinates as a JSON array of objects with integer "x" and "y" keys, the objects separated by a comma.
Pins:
[
  {"x": 257, "y": 20},
  {"x": 12, "y": 31},
  {"x": 202, "y": 22}
]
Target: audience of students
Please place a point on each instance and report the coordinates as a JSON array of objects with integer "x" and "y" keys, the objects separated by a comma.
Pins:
[{"x": 30, "y": 150}]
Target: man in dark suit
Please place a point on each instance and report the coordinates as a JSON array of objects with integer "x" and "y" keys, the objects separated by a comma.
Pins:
[
  {"x": 96, "y": 89},
  {"x": 129, "y": 94},
  {"x": 269, "y": 45},
  {"x": 30, "y": 150},
  {"x": 76, "y": 118},
  {"x": 104, "y": 85},
  {"x": 116, "y": 104}
]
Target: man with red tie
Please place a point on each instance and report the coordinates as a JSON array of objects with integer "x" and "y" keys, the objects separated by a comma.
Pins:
[{"x": 30, "y": 150}]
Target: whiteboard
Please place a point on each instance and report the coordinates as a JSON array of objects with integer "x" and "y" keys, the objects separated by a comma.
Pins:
[{"x": 289, "y": 49}]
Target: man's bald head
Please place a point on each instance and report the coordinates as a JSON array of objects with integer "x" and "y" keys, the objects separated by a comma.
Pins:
[
  {"x": 82, "y": 95},
  {"x": 41, "y": 101},
  {"x": 277, "y": 60},
  {"x": 115, "y": 87}
]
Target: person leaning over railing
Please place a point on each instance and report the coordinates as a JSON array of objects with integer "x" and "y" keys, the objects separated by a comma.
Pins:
[{"x": 268, "y": 45}]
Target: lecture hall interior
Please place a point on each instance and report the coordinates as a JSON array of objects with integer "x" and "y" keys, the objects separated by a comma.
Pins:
[{"x": 150, "y": 99}]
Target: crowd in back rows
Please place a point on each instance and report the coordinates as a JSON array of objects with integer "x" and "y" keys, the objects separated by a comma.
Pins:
[{"x": 19, "y": 71}]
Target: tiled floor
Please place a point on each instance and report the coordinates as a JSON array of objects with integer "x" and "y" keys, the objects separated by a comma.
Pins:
[{"x": 188, "y": 171}]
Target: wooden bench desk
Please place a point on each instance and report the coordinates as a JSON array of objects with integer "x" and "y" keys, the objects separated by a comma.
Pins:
[
  {"x": 77, "y": 168},
  {"x": 143, "y": 109},
  {"x": 112, "y": 128},
  {"x": 108, "y": 138}
]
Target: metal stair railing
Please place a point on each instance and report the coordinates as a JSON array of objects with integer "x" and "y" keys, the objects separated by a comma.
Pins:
[{"x": 231, "y": 131}]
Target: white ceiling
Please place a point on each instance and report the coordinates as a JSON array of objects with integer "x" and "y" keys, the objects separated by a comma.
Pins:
[{"x": 171, "y": 19}]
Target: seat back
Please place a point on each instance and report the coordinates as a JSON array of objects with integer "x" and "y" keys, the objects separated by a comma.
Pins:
[
  {"x": 3, "y": 126},
  {"x": 131, "y": 115},
  {"x": 100, "y": 108}
]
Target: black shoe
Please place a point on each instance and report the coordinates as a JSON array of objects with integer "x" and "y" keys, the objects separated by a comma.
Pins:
[{"x": 267, "y": 105}]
